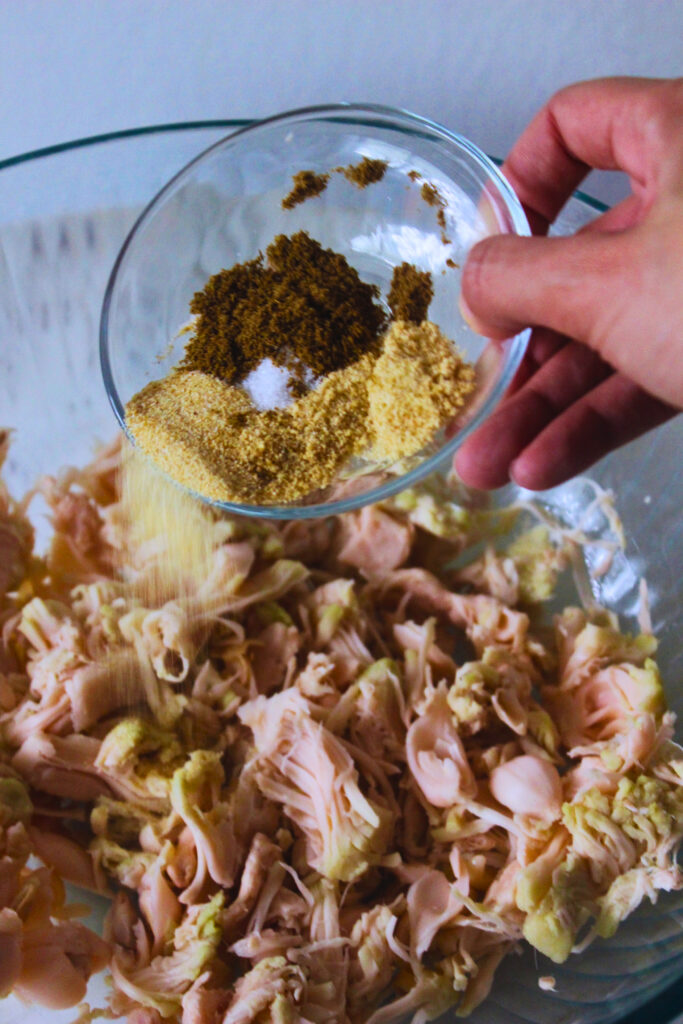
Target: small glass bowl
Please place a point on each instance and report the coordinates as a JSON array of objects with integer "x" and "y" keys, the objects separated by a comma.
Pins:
[{"x": 226, "y": 206}]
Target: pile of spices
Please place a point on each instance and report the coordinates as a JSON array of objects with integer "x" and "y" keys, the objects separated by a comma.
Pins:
[
  {"x": 304, "y": 308},
  {"x": 361, "y": 389},
  {"x": 418, "y": 383},
  {"x": 410, "y": 293},
  {"x": 209, "y": 436}
]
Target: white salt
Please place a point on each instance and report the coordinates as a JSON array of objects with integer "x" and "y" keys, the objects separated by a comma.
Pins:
[{"x": 267, "y": 385}]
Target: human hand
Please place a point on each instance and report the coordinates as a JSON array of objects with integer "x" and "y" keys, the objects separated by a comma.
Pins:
[{"x": 605, "y": 360}]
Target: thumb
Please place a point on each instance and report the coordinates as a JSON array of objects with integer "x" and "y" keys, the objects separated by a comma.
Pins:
[{"x": 565, "y": 284}]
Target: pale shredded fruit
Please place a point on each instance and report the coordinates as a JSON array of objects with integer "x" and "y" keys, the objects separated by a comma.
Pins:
[{"x": 321, "y": 774}]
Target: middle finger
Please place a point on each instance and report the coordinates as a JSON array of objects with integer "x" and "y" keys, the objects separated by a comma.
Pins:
[{"x": 485, "y": 458}]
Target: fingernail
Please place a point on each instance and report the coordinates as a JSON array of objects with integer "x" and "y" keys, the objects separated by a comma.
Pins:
[
  {"x": 469, "y": 317},
  {"x": 514, "y": 468},
  {"x": 527, "y": 481}
]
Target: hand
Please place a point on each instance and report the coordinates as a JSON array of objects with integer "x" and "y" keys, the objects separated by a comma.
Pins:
[{"x": 605, "y": 360}]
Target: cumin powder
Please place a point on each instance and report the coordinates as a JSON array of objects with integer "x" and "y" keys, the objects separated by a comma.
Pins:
[
  {"x": 433, "y": 197},
  {"x": 410, "y": 293},
  {"x": 368, "y": 172},
  {"x": 308, "y": 184},
  {"x": 303, "y": 307}
]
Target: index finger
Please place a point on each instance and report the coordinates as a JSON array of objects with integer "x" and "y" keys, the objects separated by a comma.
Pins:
[{"x": 605, "y": 123}]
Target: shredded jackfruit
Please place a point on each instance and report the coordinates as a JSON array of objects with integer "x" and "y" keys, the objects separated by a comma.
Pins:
[{"x": 320, "y": 778}]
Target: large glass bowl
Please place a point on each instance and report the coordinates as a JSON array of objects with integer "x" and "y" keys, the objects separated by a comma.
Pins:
[
  {"x": 225, "y": 207},
  {"x": 64, "y": 215}
]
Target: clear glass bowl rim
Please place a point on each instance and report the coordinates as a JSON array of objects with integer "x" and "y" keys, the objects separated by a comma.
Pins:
[{"x": 354, "y": 113}]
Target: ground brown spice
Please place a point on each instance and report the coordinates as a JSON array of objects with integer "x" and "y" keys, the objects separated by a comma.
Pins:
[
  {"x": 306, "y": 185},
  {"x": 410, "y": 293},
  {"x": 304, "y": 308},
  {"x": 430, "y": 194},
  {"x": 433, "y": 197},
  {"x": 365, "y": 173}
]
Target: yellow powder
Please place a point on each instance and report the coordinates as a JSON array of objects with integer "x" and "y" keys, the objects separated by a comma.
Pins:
[
  {"x": 168, "y": 532},
  {"x": 209, "y": 436},
  {"x": 419, "y": 382},
  {"x": 179, "y": 420}
]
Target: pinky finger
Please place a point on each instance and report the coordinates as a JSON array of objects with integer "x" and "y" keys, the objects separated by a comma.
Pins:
[{"x": 612, "y": 414}]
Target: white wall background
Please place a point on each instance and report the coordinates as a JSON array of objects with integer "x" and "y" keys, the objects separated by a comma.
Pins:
[{"x": 70, "y": 68}]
